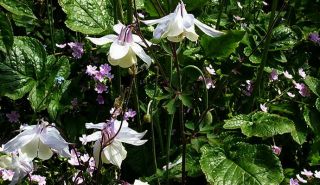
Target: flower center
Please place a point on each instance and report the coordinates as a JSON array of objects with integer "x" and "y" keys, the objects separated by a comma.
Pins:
[
  {"x": 108, "y": 133},
  {"x": 125, "y": 35}
]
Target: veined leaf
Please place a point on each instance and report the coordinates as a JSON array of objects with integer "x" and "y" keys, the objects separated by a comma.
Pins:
[
  {"x": 313, "y": 84},
  {"x": 87, "y": 16},
  {"x": 6, "y": 33},
  {"x": 23, "y": 66},
  {"x": 18, "y": 7},
  {"x": 244, "y": 164}
]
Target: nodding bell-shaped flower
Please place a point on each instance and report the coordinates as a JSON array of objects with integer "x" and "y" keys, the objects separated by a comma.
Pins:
[
  {"x": 20, "y": 164},
  {"x": 124, "y": 48},
  {"x": 38, "y": 141},
  {"x": 178, "y": 25},
  {"x": 108, "y": 141}
]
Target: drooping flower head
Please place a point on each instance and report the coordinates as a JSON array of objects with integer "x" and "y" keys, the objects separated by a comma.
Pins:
[
  {"x": 178, "y": 25},
  {"x": 108, "y": 141},
  {"x": 38, "y": 141},
  {"x": 124, "y": 48}
]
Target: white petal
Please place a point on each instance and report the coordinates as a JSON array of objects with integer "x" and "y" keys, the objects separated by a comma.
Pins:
[
  {"x": 31, "y": 149},
  {"x": 207, "y": 30},
  {"x": 126, "y": 61},
  {"x": 188, "y": 20},
  {"x": 191, "y": 34},
  {"x": 160, "y": 30},
  {"x": 94, "y": 136},
  {"x": 54, "y": 140},
  {"x": 96, "y": 152},
  {"x": 115, "y": 153},
  {"x": 117, "y": 124},
  {"x": 156, "y": 21},
  {"x": 178, "y": 38},
  {"x": 19, "y": 141},
  {"x": 141, "y": 54},
  {"x": 95, "y": 126},
  {"x": 138, "y": 40},
  {"x": 44, "y": 152},
  {"x": 103, "y": 40},
  {"x": 118, "y": 51},
  {"x": 118, "y": 27},
  {"x": 175, "y": 26}
]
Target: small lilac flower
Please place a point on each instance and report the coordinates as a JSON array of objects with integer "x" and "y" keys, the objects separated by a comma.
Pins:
[
  {"x": 61, "y": 45},
  {"x": 314, "y": 37},
  {"x": 13, "y": 116},
  {"x": 92, "y": 166},
  {"x": 291, "y": 94},
  {"x": 263, "y": 107},
  {"x": 91, "y": 70},
  {"x": 83, "y": 139},
  {"x": 303, "y": 89},
  {"x": 307, "y": 173},
  {"x": 211, "y": 70},
  {"x": 59, "y": 80},
  {"x": 129, "y": 114},
  {"x": 99, "y": 76},
  {"x": 39, "y": 179},
  {"x": 85, "y": 158},
  {"x": 105, "y": 70},
  {"x": 208, "y": 81},
  {"x": 302, "y": 73},
  {"x": 273, "y": 75},
  {"x": 287, "y": 75},
  {"x": 7, "y": 174},
  {"x": 100, "y": 88},
  {"x": 294, "y": 181},
  {"x": 74, "y": 158},
  {"x": 276, "y": 149},
  {"x": 77, "y": 49},
  {"x": 100, "y": 99},
  {"x": 301, "y": 179},
  {"x": 317, "y": 174}
]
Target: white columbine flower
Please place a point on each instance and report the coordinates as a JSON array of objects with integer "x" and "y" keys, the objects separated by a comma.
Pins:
[
  {"x": 38, "y": 141},
  {"x": 112, "y": 149},
  {"x": 20, "y": 164},
  {"x": 178, "y": 25},
  {"x": 124, "y": 48}
]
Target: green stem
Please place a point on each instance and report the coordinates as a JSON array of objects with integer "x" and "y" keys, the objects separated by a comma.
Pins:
[
  {"x": 136, "y": 100},
  {"x": 171, "y": 118},
  {"x": 181, "y": 118},
  {"x": 204, "y": 83},
  {"x": 130, "y": 11},
  {"x": 258, "y": 89},
  {"x": 50, "y": 18},
  {"x": 221, "y": 2}
]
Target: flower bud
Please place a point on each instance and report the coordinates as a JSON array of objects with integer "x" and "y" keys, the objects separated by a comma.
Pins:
[{"x": 147, "y": 118}]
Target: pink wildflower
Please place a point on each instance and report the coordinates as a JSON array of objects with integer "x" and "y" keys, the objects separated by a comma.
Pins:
[{"x": 13, "y": 116}]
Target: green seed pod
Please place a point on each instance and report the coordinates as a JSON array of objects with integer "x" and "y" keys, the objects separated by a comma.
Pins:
[
  {"x": 147, "y": 118},
  {"x": 207, "y": 120}
]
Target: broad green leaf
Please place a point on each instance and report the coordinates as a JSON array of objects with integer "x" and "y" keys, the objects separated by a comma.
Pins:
[
  {"x": 38, "y": 97},
  {"x": 237, "y": 122},
  {"x": 260, "y": 124},
  {"x": 18, "y": 7},
  {"x": 223, "y": 45},
  {"x": 299, "y": 134},
  {"x": 244, "y": 164},
  {"x": 87, "y": 16},
  {"x": 170, "y": 106},
  {"x": 312, "y": 119},
  {"x": 55, "y": 107},
  {"x": 283, "y": 38},
  {"x": 6, "y": 32},
  {"x": 313, "y": 84},
  {"x": 186, "y": 100},
  {"x": 267, "y": 125},
  {"x": 23, "y": 66}
]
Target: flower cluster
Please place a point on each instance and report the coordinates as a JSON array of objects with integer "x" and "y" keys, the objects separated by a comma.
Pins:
[
  {"x": 305, "y": 177},
  {"x": 101, "y": 77},
  {"x": 76, "y": 47}
]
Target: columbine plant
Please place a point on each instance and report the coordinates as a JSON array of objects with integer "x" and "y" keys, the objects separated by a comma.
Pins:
[
  {"x": 38, "y": 141},
  {"x": 178, "y": 25},
  {"x": 108, "y": 141},
  {"x": 124, "y": 48}
]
